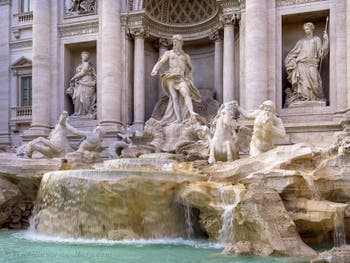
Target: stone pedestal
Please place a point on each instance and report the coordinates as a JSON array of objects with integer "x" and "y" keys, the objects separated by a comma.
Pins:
[
  {"x": 111, "y": 65},
  {"x": 41, "y": 88},
  {"x": 255, "y": 53}
]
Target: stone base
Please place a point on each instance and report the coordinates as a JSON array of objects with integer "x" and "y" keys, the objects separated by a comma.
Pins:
[{"x": 311, "y": 103}]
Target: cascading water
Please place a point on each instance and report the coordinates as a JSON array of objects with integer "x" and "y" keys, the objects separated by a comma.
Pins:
[
  {"x": 314, "y": 191},
  {"x": 339, "y": 229},
  {"x": 226, "y": 234},
  {"x": 188, "y": 221}
]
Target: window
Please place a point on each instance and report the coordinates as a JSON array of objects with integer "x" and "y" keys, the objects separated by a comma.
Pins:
[
  {"x": 26, "y": 91},
  {"x": 26, "y": 6}
]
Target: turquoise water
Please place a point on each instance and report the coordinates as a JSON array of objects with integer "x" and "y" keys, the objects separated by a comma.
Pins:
[{"x": 26, "y": 246}]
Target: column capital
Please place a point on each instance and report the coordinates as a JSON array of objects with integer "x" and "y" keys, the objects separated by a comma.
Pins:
[
  {"x": 230, "y": 19},
  {"x": 138, "y": 32},
  {"x": 216, "y": 35}
]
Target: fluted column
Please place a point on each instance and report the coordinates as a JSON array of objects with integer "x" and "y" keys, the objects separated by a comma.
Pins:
[
  {"x": 218, "y": 74},
  {"x": 41, "y": 71},
  {"x": 229, "y": 57},
  {"x": 255, "y": 52},
  {"x": 139, "y": 78},
  {"x": 348, "y": 48},
  {"x": 5, "y": 14},
  {"x": 111, "y": 65},
  {"x": 164, "y": 43}
]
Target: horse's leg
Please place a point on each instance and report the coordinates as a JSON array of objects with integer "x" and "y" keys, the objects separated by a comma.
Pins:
[
  {"x": 229, "y": 152},
  {"x": 211, "y": 159}
]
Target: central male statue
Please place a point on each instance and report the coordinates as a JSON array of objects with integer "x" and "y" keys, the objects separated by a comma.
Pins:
[{"x": 177, "y": 84}]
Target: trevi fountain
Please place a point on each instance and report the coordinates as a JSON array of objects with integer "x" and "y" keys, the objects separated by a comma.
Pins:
[{"x": 175, "y": 131}]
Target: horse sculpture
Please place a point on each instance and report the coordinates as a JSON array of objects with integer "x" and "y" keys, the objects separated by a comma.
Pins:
[{"x": 223, "y": 144}]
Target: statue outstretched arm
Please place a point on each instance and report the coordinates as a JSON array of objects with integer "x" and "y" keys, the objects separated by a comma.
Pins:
[
  {"x": 246, "y": 114},
  {"x": 160, "y": 63},
  {"x": 76, "y": 131}
]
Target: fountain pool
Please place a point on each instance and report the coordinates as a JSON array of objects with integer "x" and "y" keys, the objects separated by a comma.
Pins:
[{"x": 27, "y": 246}]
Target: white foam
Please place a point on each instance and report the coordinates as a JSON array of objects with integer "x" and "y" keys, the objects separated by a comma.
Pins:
[{"x": 37, "y": 237}]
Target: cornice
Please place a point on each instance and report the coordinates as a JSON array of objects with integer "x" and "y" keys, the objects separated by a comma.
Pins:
[
  {"x": 80, "y": 28},
  {"x": 5, "y": 2},
  {"x": 21, "y": 43},
  {"x": 280, "y": 3}
]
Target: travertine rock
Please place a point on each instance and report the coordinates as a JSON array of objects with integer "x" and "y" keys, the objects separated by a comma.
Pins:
[
  {"x": 261, "y": 217},
  {"x": 262, "y": 163},
  {"x": 9, "y": 195},
  {"x": 314, "y": 219},
  {"x": 335, "y": 255},
  {"x": 112, "y": 204}
]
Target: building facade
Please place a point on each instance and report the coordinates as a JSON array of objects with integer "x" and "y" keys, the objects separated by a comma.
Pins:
[{"x": 238, "y": 49}]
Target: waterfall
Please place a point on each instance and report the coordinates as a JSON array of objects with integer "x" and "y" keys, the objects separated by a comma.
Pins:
[
  {"x": 226, "y": 234},
  {"x": 314, "y": 191},
  {"x": 188, "y": 221},
  {"x": 339, "y": 229}
]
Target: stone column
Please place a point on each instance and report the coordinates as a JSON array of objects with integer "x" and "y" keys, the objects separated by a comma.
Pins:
[
  {"x": 139, "y": 78},
  {"x": 229, "y": 57},
  {"x": 348, "y": 48},
  {"x": 4, "y": 71},
  {"x": 255, "y": 52},
  {"x": 218, "y": 74},
  {"x": 41, "y": 72},
  {"x": 111, "y": 65},
  {"x": 164, "y": 43}
]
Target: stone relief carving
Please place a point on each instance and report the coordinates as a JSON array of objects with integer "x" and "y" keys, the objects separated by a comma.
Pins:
[
  {"x": 302, "y": 67},
  {"x": 177, "y": 84},
  {"x": 82, "y": 89},
  {"x": 80, "y": 7},
  {"x": 266, "y": 126},
  {"x": 56, "y": 145}
]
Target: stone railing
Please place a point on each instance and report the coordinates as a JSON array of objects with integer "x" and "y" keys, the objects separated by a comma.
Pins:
[
  {"x": 25, "y": 17},
  {"x": 23, "y": 112}
]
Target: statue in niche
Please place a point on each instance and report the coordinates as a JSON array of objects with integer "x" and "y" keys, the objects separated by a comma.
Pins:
[
  {"x": 302, "y": 67},
  {"x": 83, "y": 89},
  {"x": 56, "y": 145},
  {"x": 80, "y": 6},
  {"x": 177, "y": 84},
  {"x": 266, "y": 126}
]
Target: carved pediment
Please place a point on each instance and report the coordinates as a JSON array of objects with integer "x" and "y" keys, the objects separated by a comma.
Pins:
[{"x": 22, "y": 63}]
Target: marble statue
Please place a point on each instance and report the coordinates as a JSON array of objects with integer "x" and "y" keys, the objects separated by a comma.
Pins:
[
  {"x": 80, "y": 6},
  {"x": 302, "y": 67},
  {"x": 55, "y": 145},
  {"x": 83, "y": 88},
  {"x": 266, "y": 126},
  {"x": 177, "y": 84},
  {"x": 92, "y": 139},
  {"x": 223, "y": 144}
]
